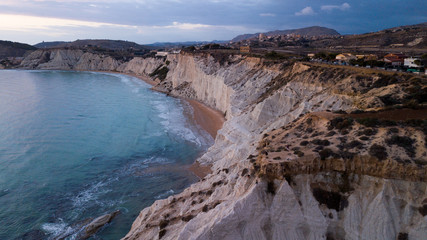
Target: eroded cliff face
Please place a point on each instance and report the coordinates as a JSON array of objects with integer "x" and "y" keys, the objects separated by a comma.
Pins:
[
  {"x": 67, "y": 59},
  {"x": 252, "y": 194},
  {"x": 236, "y": 201}
]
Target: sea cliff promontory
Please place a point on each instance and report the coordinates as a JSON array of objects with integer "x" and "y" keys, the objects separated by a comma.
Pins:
[{"x": 308, "y": 151}]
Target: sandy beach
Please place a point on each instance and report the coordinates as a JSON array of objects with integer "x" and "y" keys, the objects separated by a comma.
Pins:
[{"x": 209, "y": 119}]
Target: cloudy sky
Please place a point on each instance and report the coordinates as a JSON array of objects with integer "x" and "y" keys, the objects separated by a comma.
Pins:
[{"x": 148, "y": 21}]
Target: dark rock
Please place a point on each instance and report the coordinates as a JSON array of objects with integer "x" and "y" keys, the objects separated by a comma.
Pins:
[
  {"x": 96, "y": 224},
  {"x": 333, "y": 200},
  {"x": 402, "y": 236}
]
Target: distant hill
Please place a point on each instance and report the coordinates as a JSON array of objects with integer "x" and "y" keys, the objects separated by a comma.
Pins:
[
  {"x": 100, "y": 43},
  {"x": 308, "y": 31},
  {"x": 411, "y": 36},
  {"x": 14, "y": 49},
  {"x": 180, "y": 44},
  {"x": 50, "y": 44}
]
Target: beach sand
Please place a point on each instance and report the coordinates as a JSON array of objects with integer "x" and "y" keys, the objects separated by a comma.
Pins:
[{"x": 209, "y": 119}]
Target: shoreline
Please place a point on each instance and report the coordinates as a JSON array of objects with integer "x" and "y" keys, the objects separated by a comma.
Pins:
[{"x": 209, "y": 119}]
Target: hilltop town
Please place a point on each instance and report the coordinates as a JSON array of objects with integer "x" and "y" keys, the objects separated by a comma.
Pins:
[{"x": 401, "y": 49}]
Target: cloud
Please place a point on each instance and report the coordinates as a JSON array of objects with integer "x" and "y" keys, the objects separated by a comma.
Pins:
[
  {"x": 185, "y": 26},
  {"x": 342, "y": 7},
  {"x": 305, "y": 11},
  {"x": 20, "y": 27},
  {"x": 24, "y": 23},
  {"x": 267, "y": 14}
]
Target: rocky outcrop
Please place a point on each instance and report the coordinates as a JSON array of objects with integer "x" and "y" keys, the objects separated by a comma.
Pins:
[
  {"x": 67, "y": 59},
  {"x": 141, "y": 66},
  {"x": 328, "y": 142},
  {"x": 96, "y": 224},
  {"x": 297, "y": 198},
  {"x": 86, "y": 228}
]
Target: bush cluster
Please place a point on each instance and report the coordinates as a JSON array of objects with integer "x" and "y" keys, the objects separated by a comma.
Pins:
[
  {"x": 404, "y": 142},
  {"x": 161, "y": 72},
  {"x": 378, "y": 151},
  {"x": 341, "y": 124}
]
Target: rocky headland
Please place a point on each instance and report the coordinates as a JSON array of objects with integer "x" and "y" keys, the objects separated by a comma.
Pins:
[{"x": 307, "y": 152}]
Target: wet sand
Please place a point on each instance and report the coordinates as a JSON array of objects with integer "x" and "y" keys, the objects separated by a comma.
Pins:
[{"x": 209, "y": 119}]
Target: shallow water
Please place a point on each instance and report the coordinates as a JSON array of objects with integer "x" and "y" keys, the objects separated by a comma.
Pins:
[{"x": 75, "y": 145}]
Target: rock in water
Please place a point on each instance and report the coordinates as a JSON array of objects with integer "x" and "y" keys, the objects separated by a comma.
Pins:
[{"x": 96, "y": 224}]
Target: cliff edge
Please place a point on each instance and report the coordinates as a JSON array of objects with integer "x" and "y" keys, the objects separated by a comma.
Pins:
[{"x": 307, "y": 151}]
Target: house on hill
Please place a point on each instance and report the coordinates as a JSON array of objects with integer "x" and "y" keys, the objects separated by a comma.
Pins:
[
  {"x": 345, "y": 57},
  {"x": 162, "y": 54},
  {"x": 394, "y": 59}
]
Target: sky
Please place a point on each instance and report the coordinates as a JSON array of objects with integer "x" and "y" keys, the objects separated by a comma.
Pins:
[{"x": 149, "y": 21}]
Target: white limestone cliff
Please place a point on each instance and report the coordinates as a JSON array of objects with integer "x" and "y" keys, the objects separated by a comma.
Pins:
[
  {"x": 239, "y": 206},
  {"x": 67, "y": 59},
  {"x": 232, "y": 202}
]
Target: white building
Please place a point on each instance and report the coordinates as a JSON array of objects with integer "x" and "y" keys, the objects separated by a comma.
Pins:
[
  {"x": 345, "y": 57},
  {"x": 410, "y": 62},
  {"x": 161, "y": 54}
]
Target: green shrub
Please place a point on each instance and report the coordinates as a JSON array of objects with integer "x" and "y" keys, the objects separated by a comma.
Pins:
[
  {"x": 354, "y": 144},
  {"x": 325, "y": 153},
  {"x": 161, "y": 72},
  {"x": 299, "y": 153},
  {"x": 340, "y": 123},
  {"x": 320, "y": 142},
  {"x": 187, "y": 218},
  {"x": 378, "y": 151},
  {"x": 162, "y": 233},
  {"x": 368, "y": 122},
  {"x": 164, "y": 223},
  {"x": 404, "y": 142}
]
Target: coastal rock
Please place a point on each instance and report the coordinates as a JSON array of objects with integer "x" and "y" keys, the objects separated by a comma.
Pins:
[
  {"x": 233, "y": 203},
  {"x": 140, "y": 66},
  {"x": 67, "y": 59},
  {"x": 96, "y": 224},
  {"x": 250, "y": 196},
  {"x": 86, "y": 228},
  {"x": 96, "y": 62}
]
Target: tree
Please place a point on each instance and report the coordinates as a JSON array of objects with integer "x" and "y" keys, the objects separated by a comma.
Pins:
[{"x": 417, "y": 62}]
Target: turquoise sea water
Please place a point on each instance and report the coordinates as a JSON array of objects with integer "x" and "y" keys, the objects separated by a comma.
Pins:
[{"x": 75, "y": 145}]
